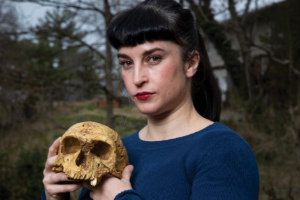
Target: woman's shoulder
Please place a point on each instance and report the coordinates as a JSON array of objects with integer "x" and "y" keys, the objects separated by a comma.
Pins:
[
  {"x": 226, "y": 157},
  {"x": 216, "y": 133},
  {"x": 218, "y": 142},
  {"x": 218, "y": 137},
  {"x": 222, "y": 147}
]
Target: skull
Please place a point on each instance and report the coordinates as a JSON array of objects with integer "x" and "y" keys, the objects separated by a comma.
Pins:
[{"x": 88, "y": 150}]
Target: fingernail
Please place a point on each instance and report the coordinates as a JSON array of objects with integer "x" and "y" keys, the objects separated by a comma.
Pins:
[{"x": 131, "y": 168}]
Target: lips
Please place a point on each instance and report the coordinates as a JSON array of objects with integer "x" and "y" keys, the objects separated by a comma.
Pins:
[{"x": 143, "y": 95}]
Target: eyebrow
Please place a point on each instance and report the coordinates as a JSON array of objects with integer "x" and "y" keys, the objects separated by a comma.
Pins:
[{"x": 144, "y": 54}]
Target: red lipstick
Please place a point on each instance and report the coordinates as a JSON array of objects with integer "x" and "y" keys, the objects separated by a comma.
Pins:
[{"x": 143, "y": 95}]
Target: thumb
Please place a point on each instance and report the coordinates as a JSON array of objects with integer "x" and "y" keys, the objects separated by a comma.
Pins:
[{"x": 126, "y": 174}]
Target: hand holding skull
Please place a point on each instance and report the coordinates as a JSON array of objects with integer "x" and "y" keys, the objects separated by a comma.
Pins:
[
  {"x": 57, "y": 184},
  {"x": 89, "y": 150},
  {"x": 110, "y": 186}
]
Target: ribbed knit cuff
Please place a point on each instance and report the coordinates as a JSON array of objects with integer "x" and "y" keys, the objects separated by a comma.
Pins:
[
  {"x": 43, "y": 196},
  {"x": 128, "y": 195}
]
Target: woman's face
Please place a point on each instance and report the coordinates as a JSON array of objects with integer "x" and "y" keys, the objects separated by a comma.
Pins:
[{"x": 155, "y": 77}]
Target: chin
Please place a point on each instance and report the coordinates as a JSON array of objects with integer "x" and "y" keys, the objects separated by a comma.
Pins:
[
  {"x": 147, "y": 112},
  {"x": 150, "y": 111}
]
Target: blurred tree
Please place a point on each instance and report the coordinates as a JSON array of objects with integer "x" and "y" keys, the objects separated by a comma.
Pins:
[
  {"x": 61, "y": 62},
  {"x": 48, "y": 66},
  {"x": 28, "y": 169},
  {"x": 283, "y": 44},
  {"x": 22, "y": 178},
  {"x": 94, "y": 17},
  {"x": 10, "y": 109},
  {"x": 216, "y": 34}
]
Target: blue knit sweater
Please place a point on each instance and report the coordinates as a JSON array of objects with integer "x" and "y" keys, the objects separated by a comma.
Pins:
[{"x": 212, "y": 164}]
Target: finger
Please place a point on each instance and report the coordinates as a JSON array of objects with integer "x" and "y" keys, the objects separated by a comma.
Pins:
[
  {"x": 54, "y": 147},
  {"x": 91, "y": 194},
  {"x": 62, "y": 188},
  {"x": 50, "y": 162},
  {"x": 48, "y": 165},
  {"x": 58, "y": 178},
  {"x": 126, "y": 174}
]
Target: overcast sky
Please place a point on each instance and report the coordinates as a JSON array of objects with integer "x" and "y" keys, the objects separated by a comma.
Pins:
[{"x": 30, "y": 12}]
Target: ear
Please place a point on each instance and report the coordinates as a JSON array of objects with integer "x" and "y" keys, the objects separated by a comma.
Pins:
[{"x": 191, "y": 65}]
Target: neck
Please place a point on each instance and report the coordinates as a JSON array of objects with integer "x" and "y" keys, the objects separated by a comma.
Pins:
[{"x": 177, "y": 123}]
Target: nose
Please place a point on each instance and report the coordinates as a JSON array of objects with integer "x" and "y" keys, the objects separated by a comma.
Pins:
[
  {"x": 140, "y": 76},
  {"x": 81, "y": 158}
]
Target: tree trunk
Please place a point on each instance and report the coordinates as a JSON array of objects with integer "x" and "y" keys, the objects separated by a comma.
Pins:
[
  {"x": 108, "y": 71},
  {"x": 241, "y": 35},
  {"x": 109, "y": 86},
  {"x": 215, "y": 33}
]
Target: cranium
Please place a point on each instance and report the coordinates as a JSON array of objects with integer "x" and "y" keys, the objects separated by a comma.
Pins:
[{"x": 88, "y": 150}]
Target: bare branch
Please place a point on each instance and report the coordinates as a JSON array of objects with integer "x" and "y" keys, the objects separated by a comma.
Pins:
[
  {"x": 14, "y": 33},
  {"x": 233, "y": 12},
  {"x": 246, "y": 11},
  {"x": 76, "y": 5},
  {"x": 194, "y": 6},
  {"x": 107, "y": 15},
  {"x": 89, "y": 46},
  {"x": 274, "y": 59},
  {"x": 83, "y": 43},
  {"x": 270, "y": 54}
]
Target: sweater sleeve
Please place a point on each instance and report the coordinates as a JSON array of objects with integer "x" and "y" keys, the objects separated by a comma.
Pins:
[
  {"x": 128, "y": 195},
  {"x": 43, "y": 196},
  {"x": 125, "y": 195},
  {"x": 228, "y": 171}
]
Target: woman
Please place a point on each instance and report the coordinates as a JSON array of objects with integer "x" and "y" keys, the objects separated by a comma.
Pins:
[{"x": 182, "y": 152}]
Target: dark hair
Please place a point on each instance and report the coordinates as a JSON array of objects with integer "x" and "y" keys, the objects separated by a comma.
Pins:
[{"x": 153, "y": 20}]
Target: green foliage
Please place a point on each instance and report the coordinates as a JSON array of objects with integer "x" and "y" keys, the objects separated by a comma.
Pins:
[
  {"x": 5, "y": 192},
  {"x": 23, "y": 178},
  {"x": 36, "y": 73},
  {"x": 29, "y": 168}
]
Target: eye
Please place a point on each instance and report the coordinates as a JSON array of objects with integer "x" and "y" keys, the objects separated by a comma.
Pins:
[
  {"x": 125, "y": 64},
  {"x": 102, "y": 150},
  {"x": 70, "y": 145},
  {"x": 154, "y": 59}
]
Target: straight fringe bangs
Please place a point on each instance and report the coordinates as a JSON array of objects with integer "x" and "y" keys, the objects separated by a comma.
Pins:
[{"x": 139, "y": 25}]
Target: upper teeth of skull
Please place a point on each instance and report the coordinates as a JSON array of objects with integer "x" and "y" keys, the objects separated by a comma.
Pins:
[{"x": 94, "y": 182}]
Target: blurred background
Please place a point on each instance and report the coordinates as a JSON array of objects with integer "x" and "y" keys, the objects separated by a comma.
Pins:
[{"x": 58, "y": 69}]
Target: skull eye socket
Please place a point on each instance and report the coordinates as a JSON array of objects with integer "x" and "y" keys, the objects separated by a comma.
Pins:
[
  {"x": 102, "y": 150},
  {"x": 70, "y": 145}
]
